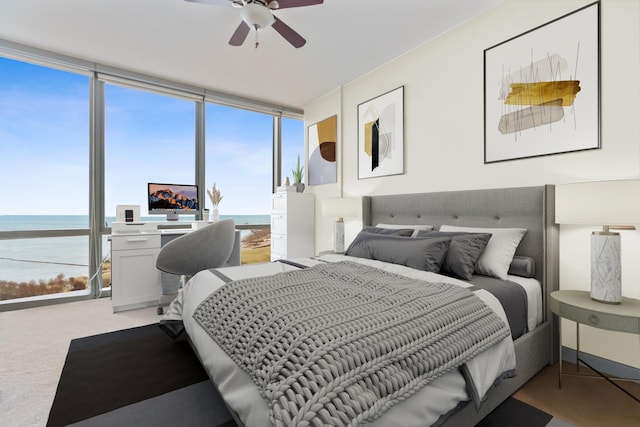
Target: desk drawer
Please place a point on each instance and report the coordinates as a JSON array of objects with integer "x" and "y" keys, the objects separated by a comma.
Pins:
[{"x": 135, "y": 241}]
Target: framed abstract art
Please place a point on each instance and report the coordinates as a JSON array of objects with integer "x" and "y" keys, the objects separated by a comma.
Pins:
[
  {"x": 322, "y": 138},
  {"x": 542, "y": 89},
  {"x": 381, "y": 135}
]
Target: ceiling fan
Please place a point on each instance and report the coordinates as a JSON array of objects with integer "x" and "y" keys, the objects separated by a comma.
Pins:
[{"x": 258, "y": 14}]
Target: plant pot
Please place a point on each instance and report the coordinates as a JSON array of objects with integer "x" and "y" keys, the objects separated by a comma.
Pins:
[
  {"x": 299, "y": 187},
  {"x": 215, "y": 215}
]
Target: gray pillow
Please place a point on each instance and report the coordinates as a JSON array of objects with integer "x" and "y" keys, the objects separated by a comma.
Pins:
[
  {"x": 463, "y": 253},
  {"x": 415, "y": 228},
  {"x": 419, "y": 253},
  {"x": 497, "y": 256},
  {"x": 389, "y": 231},
  {"x": 523, "y": 266}
]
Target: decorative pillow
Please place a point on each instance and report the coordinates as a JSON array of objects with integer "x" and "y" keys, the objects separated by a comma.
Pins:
[
  {"x": 418, "y": 253},
  {"x": 497, "y": 256},
  {"x": 415, "y": 228},
  {"x": 464, "y": 251},
  {"x": 389, "y": 231},
  {"x": 523, "y": 266}
]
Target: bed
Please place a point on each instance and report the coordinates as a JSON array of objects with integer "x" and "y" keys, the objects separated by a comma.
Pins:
[{"x": 460, "y": 396}]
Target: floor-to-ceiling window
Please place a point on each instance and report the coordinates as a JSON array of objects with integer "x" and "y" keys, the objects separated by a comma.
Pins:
[
  {"x": 44, "y": 145},
  {"x": 238, "y": 159},
  {"x": 292, "y": 146},
  {"x": 75, "y": 143},
  {"x": 148, "y": 138}
]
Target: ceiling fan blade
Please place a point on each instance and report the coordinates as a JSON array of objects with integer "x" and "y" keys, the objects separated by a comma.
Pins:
[
  {"x": 240, "y": 34},
  {"x": 288, "y": 33},
  {"x": 214, "y": 2},
  {"x": 297, "y": 3}
]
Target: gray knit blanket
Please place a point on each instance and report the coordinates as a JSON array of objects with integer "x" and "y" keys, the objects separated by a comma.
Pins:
[{"x": 338, "y": 344}]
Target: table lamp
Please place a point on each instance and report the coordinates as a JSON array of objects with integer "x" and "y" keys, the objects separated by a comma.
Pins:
[
  {"x": 610, "y": 204},
  {"x": 339, "y": 208}
]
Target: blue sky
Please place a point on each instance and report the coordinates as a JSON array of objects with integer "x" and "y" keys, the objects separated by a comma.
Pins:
[{"x": 44, "y": 128}]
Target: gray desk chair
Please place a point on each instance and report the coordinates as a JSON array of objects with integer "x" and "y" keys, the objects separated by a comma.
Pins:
[{"x": 201, "y": 249}]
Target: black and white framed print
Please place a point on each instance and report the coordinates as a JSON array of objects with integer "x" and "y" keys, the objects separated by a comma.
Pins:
[{"x": 381, "y": 135}]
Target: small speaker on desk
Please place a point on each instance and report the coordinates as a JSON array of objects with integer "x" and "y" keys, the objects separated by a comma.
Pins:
[{"x": 128, "y": 213}]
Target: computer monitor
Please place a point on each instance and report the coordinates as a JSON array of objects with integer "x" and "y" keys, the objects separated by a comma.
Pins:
[{"x": 172, "y": 200}]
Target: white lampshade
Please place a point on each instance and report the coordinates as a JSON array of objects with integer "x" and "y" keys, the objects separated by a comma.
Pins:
[
  {"x": 340, "y": 207},
  {"x": 598, "y": 203}
]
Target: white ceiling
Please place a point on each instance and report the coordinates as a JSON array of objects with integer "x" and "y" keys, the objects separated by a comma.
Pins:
[{"x": 187, "y": 42}]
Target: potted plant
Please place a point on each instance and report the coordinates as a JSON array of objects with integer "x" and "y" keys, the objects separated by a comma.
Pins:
[{"x": 297, "y": 176}]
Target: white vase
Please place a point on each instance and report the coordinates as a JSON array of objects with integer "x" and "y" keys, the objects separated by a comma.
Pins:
[{"x": 215, "y": 215}]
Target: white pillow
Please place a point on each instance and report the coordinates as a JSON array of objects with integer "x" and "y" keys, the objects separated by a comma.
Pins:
[
  {"x": 499, "y": 252},
  {"x": 415, "y": 228}
]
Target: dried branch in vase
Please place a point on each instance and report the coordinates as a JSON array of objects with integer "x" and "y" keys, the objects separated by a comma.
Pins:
[{"x": 214, "y": 195}]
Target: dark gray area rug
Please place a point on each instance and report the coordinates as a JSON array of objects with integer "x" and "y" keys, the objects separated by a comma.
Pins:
[
  {"x": 141, "y": 377},
  {"x": 513, "y": 412},
  {"x": 138, "y": 377}
]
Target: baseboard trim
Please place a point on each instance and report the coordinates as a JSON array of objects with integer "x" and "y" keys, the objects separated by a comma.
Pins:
[{"x": 612, "y": 368}]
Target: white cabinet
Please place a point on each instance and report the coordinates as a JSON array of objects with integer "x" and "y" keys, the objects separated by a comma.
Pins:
[
  {"x": 135, "y": 281},
  {"x": 292, "y": 225}
]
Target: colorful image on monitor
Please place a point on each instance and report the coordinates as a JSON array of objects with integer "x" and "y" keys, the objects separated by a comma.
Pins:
[{"x": 177, "y": 198}]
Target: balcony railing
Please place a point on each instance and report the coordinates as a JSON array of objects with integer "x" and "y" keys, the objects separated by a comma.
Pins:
[{"x": 35, "y": 251}]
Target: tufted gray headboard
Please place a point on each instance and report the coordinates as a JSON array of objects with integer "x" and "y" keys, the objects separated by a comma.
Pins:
[{"x": 526, "y": 207}]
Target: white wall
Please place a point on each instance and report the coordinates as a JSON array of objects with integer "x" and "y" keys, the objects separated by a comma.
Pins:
[{"x": 444, "y": 134}]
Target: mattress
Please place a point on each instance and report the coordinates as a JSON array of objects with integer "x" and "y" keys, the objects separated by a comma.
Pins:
[{"x": 427, "y": 406}]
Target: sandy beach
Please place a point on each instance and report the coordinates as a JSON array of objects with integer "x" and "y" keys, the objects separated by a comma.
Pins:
[{"x": 257, "y": 239}]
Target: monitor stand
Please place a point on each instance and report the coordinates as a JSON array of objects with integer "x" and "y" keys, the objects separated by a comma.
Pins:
[{"x": 172, "y": 216}]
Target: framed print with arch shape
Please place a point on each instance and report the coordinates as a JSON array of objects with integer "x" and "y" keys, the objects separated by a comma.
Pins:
[
  {"x": 381, "y": 135},
  {"x": 322, "y": 138},
  {"x": 542, "y": 89}
]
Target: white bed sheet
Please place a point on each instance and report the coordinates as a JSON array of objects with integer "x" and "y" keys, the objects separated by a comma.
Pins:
[
  {"x": 533, "y": 289},
  {"x": 240, "y": 393}
]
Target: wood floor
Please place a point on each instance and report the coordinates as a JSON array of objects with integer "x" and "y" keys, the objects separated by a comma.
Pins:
[{"x": 583, "y": 402}]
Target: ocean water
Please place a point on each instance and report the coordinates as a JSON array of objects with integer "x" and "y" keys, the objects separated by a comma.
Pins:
[{"x": 23, "y": 260}]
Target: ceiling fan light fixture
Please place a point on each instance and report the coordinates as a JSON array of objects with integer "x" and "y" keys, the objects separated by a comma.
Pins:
[{"x": 257, "y": 16}]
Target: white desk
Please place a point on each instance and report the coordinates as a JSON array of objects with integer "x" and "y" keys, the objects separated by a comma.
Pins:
[{"x": 135, "y": 280}]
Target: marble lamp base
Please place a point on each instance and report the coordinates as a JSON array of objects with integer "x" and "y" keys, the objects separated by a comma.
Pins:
[
  {"x": 606, "y": 267},
  {"x": 338, "y": 236}
]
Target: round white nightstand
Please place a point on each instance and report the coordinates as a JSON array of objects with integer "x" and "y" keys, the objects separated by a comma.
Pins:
[{"x": 579, "y": 307}]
